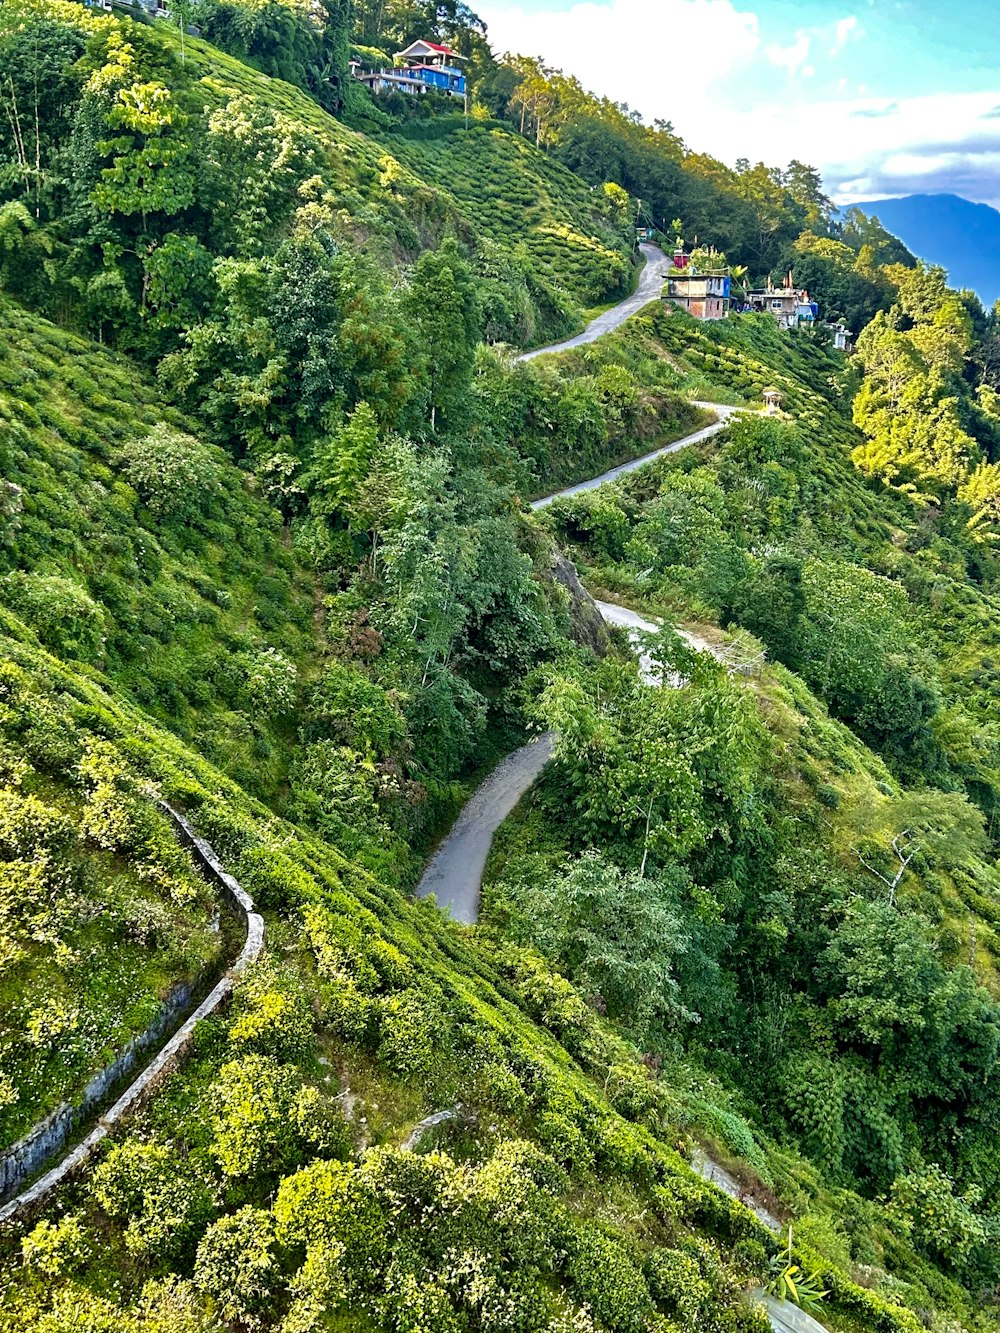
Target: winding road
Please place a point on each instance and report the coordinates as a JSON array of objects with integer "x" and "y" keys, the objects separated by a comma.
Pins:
[
  {"x": 650, "y": 288},
  {"x": 723, "y": 414},
  {"x": 454, "y": 874}
]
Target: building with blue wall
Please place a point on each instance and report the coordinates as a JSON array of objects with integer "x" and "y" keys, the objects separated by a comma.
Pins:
[{"x": 422, "y": 68}]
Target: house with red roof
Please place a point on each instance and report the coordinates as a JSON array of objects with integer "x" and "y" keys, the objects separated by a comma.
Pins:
[{"x": 423, "y": 67}]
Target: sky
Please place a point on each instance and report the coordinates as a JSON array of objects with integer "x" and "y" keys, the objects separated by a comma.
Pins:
[{"x": 885, "y": 97}]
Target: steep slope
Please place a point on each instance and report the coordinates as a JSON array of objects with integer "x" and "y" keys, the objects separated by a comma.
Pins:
[
  {"x": 517, "y": 196},
  {"x": 130, "y": 545},
  {"x": 399, "y": 1123},
  {"x": 373, "y": 1007},
  {"x": 834, "y": 855}
]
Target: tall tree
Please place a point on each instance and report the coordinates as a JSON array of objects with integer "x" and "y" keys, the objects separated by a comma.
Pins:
[{"x": 442, "y": 304}]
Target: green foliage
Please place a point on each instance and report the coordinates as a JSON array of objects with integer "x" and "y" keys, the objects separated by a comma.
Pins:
[
  {"x": 64, "y": 616},
  {"x": 615, "y": 934},
  {"x": 237, "y": 1265},
  {"x": 147, "y": 1187},
  {"x": 442, "y": 307},
  {"x": 176, "y": 476},
  {"x": 55, "y": 1248},
  {"x": 924, "y": 1203},
  {"x": 281, "y": 40},
  {"x": 360, "y": 614},
  {"x": 253, "y": 1128}
]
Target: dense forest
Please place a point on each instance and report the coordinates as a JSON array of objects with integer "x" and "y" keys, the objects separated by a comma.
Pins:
[{"x": 266, "y": 553}]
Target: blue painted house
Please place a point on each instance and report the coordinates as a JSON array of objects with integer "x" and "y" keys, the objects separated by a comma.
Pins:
[{"x": 422, "y": 68}]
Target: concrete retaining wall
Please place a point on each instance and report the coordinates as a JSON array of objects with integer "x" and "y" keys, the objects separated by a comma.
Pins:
[{"x": 51, "y": 1134}]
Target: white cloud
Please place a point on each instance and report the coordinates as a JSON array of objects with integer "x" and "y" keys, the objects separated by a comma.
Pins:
[
  {"x": 843, "y": 31},
  {"x": 688, "y": 60},
  {"x": 663, "y": 58},
  {"x": 792, "y": 58}
]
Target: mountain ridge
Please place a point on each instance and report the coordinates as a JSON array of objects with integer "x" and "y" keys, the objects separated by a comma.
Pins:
[{"x": 947, "y": 229}]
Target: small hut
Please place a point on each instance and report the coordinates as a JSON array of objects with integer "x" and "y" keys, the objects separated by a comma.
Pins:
[{"x": 772, "y": 402}]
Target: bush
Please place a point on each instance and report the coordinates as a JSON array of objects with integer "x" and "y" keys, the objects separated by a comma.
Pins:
[
  {"x": 271, "y": 1018},
  {"x": 63, "y": 615},
  {"x": 237, "y": 1266},
  {"x": 253, "y": 1126},
  {"x": 55, "y": 1248},
  {"x": 177, "y": 477},
  {"x": 607, "y": 1280},
  {"x": 155, "y": 1193}
]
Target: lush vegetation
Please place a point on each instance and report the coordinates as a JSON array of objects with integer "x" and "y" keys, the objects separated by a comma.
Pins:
[
  {"x": 740, "y": 879},
  {"x": 263, "y": 448}
]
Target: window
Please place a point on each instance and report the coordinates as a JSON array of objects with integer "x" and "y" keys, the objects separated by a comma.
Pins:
[{"x": 776, "y": 304}]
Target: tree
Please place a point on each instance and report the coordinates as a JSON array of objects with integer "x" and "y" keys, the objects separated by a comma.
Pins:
[
  {"x": 151, "y": 169},
  {"x": 805, "y": 185},
  {"x": 616, "y": 933},
  {"x": 39, "y": 93},
  {"x": 442, "y": 304},
  {"x": 177, "y": 476}
]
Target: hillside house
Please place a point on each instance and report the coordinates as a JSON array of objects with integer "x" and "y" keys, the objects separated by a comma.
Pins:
[
  {"x": 424, "y": 67},
  {"x": 789, "y": 306},
  {"x": 705, "y": 295}
]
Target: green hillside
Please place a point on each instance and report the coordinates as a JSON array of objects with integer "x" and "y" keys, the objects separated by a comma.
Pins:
[
  {"x": 265, "y": 554},
  {"x": 132, "y": 546},
  {"x": 516, "y": 196}
]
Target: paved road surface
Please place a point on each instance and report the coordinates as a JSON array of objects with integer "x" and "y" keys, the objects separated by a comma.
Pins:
[
  {"x": 788, "y": 1318},
  {"x": 650, "y": 287},
  {"x": 455, "y": 872},
  {"x": 638, "y": 625},
  {"x": 722, "y": 412}
]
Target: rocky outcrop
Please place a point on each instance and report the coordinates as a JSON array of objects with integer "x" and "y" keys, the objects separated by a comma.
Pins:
[{"x": 586, "y": 622}]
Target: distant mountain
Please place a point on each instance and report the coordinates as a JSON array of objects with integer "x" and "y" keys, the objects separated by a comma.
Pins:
[{"x": 945, "y": 229}]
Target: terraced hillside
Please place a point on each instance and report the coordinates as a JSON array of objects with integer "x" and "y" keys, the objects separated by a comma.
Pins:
[
  {"x": 266, "y": 554},
  {"x": 517, "y": 196}
]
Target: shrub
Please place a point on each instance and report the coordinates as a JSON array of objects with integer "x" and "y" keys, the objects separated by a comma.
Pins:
[
  {"x": 941, "y": 1223},
  {"x": 55, "y": 1248},
  {"x": 272, "y": 1018},
  {"x": 236, "y": 1265},
  {"x": 176, "y": 476},
  {"x": 408, "y": 1030},
  {"x": 253, "y": 1127},
  {"x": 322, "y": 1124},
  {"x": 62, "y": 613},
  {"x": 607, "y": 1280},
  {"x": 268, "y": 682},
  {"x": 153, "y": 1191}
]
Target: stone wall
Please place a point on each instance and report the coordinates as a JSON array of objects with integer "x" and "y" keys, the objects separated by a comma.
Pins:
[
  {"x": 51, "y": 1134},
  {"x": 25, "y": 1157}
]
